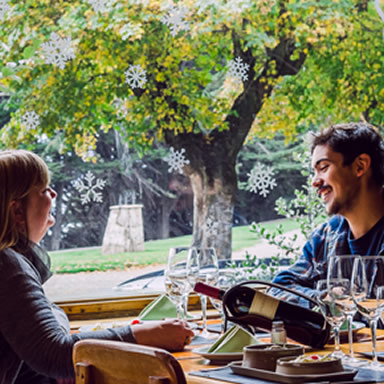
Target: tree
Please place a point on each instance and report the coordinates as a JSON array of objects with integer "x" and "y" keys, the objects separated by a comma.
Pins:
[{"x": 195, "y": 74}]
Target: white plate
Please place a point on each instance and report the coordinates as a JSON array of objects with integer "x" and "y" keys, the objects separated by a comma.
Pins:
[
  {"x": 102, "y": 326},
  {"x": 219, "y": 358}
]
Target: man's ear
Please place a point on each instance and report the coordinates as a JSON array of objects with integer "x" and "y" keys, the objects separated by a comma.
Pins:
[
  {"x": 17, "y": 212},
  {"x": 362, "y": 164}
]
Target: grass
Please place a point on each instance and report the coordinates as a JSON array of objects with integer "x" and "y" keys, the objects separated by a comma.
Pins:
[{"x": 156, "y": 251}]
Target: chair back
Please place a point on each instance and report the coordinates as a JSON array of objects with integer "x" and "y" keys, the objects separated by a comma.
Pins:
[{"x": 116, "y": 362}]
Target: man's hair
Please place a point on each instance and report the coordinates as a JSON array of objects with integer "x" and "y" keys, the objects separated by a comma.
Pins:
[
  {"x": 20, "y": 171},
  {"x": 351, "y": 140}
]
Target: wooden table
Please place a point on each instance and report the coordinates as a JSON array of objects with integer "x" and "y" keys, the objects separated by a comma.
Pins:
[{"x": 191, "y": 361}]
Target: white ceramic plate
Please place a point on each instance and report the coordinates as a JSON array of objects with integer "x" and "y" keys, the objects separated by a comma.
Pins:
[
  {"x": 219, "y": 358},
  {"x": 102, "y": 326}
]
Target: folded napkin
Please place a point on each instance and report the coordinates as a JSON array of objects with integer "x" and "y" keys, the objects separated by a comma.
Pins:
[
  {"x": 159, "y": 309},
  {"x": 234, "y": 340}
]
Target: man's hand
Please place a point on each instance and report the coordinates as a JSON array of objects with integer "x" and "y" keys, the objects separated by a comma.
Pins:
[{"x": 171, "y": 335}]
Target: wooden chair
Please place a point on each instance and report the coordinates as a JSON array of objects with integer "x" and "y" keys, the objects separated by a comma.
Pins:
[{"x": 115, "y": 362}]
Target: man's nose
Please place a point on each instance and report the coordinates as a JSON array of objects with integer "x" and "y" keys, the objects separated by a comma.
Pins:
[{"x": 316, "y": 181}]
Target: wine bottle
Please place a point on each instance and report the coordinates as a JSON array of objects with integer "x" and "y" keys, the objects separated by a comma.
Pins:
[{"x": 255, "y": 308}]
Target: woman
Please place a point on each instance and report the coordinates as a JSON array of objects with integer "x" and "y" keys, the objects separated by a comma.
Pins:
[{"x": 35, "y": 342}]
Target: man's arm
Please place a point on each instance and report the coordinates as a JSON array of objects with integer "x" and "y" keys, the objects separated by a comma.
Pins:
[{"x": 309, "y": 268}]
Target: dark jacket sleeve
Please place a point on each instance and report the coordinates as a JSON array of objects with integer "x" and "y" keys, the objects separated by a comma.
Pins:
[{"x": 31, "y": 328}]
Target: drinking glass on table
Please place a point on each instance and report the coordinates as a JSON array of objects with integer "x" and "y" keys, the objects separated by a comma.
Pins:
[
  {"x": 226, "y": 280},
  {"x": 206, "y": 270},
  {"x": 332, "y": 313},
  {"x": 177, "y": 284},
  {"x": 339, "y": 288},
  {"x": 368, "y": 295}
]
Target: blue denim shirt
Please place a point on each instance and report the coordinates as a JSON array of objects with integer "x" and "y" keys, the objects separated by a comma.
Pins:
[{"x": 332, "y": 238}]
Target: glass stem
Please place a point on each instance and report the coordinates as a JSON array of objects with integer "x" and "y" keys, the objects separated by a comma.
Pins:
[
  {"x": 350, "y": 336},
  {"x": 203, "y": 300},
  {"x": 373, "y": 326},
  {"x": 336, "y": 331},
  {"x": 185, "y": 305}
]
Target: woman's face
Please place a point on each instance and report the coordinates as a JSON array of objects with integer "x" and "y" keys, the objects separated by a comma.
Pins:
[{"x": 38, "y": 212}]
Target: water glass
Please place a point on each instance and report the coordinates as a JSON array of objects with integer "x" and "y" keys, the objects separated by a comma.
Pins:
[
  {"x": 368, "y": 295},
  {"x": 177, "y": 284},
  {"x": 206, "y": 269},
  {"x": 332, "y": 313},
  {"x": 339, "y": 288}
]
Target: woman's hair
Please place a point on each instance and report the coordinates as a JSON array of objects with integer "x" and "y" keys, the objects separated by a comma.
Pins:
[
  {"x": 351, "y": 140},
  {"x": 20, "y": 171}
]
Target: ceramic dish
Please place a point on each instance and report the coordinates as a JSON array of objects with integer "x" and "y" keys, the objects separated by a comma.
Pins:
[
  {"x": 219, "y": 358},
  {"x": 318, "y": 366},
  {"x": 265, "y": 356},
  {"x": 237, "y": 368}
]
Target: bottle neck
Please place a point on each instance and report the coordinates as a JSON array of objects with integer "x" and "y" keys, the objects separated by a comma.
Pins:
[{"x": 209, "y": 290}]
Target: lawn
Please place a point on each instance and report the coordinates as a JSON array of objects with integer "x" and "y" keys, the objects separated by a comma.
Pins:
[{"x": 156, "y": 251}]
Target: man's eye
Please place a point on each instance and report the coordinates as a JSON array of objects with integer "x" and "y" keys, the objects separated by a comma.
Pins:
[{"x": 323, "y": 168}]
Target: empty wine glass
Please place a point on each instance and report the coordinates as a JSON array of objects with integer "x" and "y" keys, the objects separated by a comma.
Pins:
[
  {"x": 208, "y": 272},
  {"x": 332, "y": 313},
  {"x": 226, "y": 280},
  {"x": 339, "y": 277},
  {"x": 177, "y": 285},
  {"x": 368, "y": 295}
]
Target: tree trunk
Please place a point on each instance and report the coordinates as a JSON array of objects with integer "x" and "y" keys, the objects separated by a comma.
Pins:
[{"x": 213, "y": 214}]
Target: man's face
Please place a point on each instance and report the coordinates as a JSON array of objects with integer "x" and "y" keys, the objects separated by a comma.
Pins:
[{"x": 336, "y": 184}]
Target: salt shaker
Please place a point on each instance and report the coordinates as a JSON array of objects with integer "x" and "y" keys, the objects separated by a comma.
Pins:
[{"x": 278, "y": 333}]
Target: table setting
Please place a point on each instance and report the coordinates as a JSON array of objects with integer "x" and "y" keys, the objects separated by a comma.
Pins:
[{"x": 220, "y": 348}]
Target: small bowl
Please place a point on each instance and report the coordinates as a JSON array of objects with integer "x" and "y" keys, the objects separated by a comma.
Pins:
[
  {"x": 287, "y": 366},
  {"x": 262, "y": 356}
]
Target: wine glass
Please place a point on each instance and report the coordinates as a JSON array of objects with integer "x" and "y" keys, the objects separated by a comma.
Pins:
[
  {"x": 177, "y": 285},
  {"x": 368, "y": 295},
  {"x": 208, "y": 272},
  {"x": 226, "y": 280},
  {"x": 332, "y": 313},
  {"x": 339, "y": 276}
]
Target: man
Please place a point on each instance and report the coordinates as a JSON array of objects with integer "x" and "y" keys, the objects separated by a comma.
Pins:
[{"x": 348, "y": 163}]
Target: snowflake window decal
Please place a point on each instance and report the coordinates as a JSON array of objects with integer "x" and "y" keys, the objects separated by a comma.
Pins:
[
  {"x": 202, "y": 5},
  {"x": 30, "y": 120},
  {"x": 121, "y": 108},
  {"x": 89, "y": 191},
  {"x": 135, "y": 76},
  {"x": 58, "y": 50},
  {"x": 211, "y": 226},
  {"x": 176, "y": 160},
  {"x": 99, "y": 5},
  {"x": 237, "y": 6},
  {"x": 261, "y": 179},
  {"x": 128, "y": 30},
  {"x": 174, "y": 19},
  {"x": 238, "y": 70},
  {"x": 4, "y": 8}
]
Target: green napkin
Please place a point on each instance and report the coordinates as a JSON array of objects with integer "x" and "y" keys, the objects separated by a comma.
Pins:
[
  {"x": 159, "y": 309},
  {"x": 234, "y": 340}
]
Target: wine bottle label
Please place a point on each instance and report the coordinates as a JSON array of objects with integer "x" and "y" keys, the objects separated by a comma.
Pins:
[{"x": 264, "y": 305}]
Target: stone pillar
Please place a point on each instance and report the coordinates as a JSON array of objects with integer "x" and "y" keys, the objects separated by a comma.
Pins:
[{"x": 124, "y": 232}]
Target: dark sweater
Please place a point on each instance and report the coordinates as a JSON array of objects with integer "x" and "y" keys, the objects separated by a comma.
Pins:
[{"x": 32, "y": 329}]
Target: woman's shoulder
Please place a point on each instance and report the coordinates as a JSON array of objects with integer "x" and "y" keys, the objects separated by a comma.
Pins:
[{"x": 11, "y": 260}]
